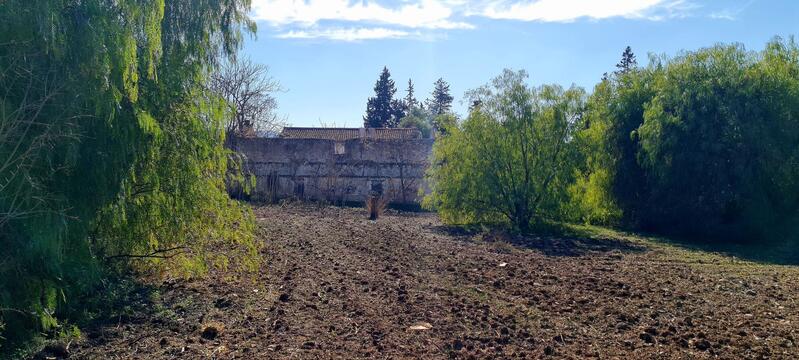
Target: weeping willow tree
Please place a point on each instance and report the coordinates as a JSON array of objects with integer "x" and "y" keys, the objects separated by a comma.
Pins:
[
  {"x": 111, "y": 149},
  {"x": 701, "y": 145}
]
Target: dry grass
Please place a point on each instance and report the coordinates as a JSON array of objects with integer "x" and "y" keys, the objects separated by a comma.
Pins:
[{"x": 375, "y": 206}]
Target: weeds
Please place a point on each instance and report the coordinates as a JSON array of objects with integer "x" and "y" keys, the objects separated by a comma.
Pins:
[{"x": 375, "y": 206}]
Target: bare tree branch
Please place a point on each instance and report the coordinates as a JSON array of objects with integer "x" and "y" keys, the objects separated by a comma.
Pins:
[
  {"x": 27, "y": 136},
  {"x": 250, "y": 92},
  {"x": 153, "y": 255}
]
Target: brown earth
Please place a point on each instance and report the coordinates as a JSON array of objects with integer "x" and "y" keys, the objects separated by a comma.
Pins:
[{"x": 335, "y": 285}]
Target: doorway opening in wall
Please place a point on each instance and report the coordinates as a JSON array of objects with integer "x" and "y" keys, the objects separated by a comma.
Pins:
[
  {"x": 272, "y": 183},
  {"x": 299, "y": 189}
]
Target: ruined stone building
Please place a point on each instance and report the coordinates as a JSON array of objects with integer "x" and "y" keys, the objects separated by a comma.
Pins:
[{"x": 338, "y": 164}]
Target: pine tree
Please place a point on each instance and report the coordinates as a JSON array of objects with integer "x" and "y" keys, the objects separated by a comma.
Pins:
[
  {"x": 410, "y": 99},
  {"x": 441, "y": 103},
  {"x": 627, "y": 62},
  {"x": 398, "y": 111},
  {"x": 381, "y": 110}
]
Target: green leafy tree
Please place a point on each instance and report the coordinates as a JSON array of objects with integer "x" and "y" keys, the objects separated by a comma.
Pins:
[
  {"x": 443, "y": 122},
  {"x": 591, "y": 197},
  {"x": 703, "y": 144},
  {"x": 111, "y": 149},
  {"x": 722, "y": 133},
  {"x": 511, "y": 159},
  {"x": 418, "y": 118},
  {"x": 383, "y": 110},
  {"x": 612, "y": 186}
]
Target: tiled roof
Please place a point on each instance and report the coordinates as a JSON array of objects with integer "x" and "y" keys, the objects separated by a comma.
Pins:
[
  {"x": 342, "y": 134},
  {"x": 339, "y": 134}
]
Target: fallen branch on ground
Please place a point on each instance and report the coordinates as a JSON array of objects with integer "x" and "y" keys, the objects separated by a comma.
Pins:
[{"x": 153, "y": 255}]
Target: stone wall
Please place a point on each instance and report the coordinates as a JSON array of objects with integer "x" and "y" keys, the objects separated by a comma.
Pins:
[{"x": 347, "y": 171}]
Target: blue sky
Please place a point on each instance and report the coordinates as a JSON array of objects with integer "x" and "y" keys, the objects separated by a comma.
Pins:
[{"x": 328, "y": 53}]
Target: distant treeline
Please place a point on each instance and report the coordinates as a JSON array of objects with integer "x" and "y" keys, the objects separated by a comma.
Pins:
[
  {"x": 705, "y": 144},
  {"x": 385, "y": 111}
]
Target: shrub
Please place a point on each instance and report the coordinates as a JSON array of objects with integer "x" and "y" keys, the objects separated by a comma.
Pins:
[
  {"x": 704, "y": 144},
  {"x": 420, "y": 119},
  {"x": 511, "y": 159}
]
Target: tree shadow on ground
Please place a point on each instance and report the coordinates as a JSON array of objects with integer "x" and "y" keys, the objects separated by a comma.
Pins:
[
  {"x": 767, "y": 252},
  {"x": 550, "y": 242},
  {"x": 575, "y": 246}
]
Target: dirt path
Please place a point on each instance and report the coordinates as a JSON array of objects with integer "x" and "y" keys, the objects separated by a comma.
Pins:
[{"x": 335, "y": 285}]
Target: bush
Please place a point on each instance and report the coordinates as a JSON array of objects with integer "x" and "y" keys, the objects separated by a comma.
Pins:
[
  {"x": 511, "y": 159},
  {"x": 704, "y": 144},
  {"x": 610, "y": 184},
  {"x": 418, "y": 118}
]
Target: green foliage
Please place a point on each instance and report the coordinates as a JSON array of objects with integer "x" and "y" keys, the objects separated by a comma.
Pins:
[
  {"x": 178, "y": 202},
  {"x": 511, "y": 159},
  {"x": 426, "y": 121},
  {"x": 704, "y": 144},
  {"x": 611, "y": 184},
  {"x": 589, "y": 200},
  {"x": 410, "y": 101},
  {"x": 627, "y": 62},
  {"x": 444, "y": 121},
  {"x": 420, "y": 119},
  {"x": 382, "y": 110},
  {"x": 109, "y": 147},
  {"x": 441, "y": 102}
]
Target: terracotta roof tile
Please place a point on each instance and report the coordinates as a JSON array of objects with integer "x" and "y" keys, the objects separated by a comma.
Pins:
[{"x": 343, "y": 134}]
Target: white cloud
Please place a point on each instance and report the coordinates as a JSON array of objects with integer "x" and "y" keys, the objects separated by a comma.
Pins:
[
  {"x": 428, "y": 14},
  {"x": 352, "y": 20},
  {"x": 722, "y": 15},
  {"x": 731, "y": 13},
  {"x": 348, "y": 34},
  {"x": 571, "y": 10}
]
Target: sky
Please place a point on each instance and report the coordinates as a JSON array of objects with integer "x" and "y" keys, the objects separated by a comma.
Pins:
[{"x": 327, "y": 54}]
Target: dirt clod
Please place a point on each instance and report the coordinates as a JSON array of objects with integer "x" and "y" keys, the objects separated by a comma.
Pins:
[
  {"x": 222, "y": 303},
  {"x": 211, "y": 330},
  {"x": 549, "y": 351},
  {"x": 703, "y": 344},
  {"x": 457, "y": 345}
]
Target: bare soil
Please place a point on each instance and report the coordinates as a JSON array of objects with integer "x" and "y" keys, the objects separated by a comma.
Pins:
[{"x": 336, "y": 285}]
